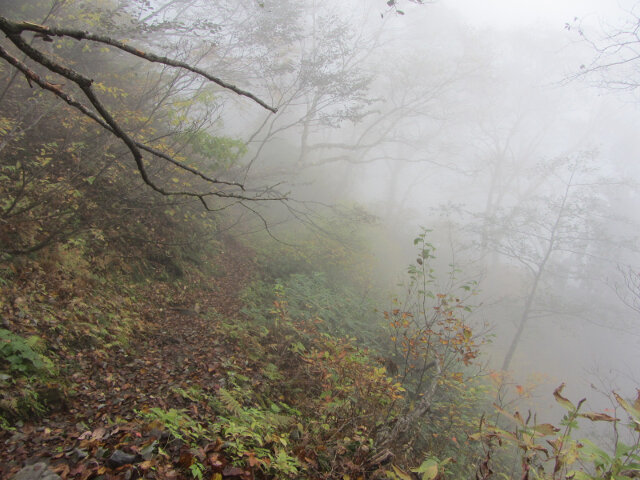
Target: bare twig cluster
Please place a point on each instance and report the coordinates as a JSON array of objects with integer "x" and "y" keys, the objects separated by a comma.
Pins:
[{"x": 14, "y": 31}]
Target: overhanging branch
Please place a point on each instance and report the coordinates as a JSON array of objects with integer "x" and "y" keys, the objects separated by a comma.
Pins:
[
  {"x": 103, "y": 117},
  {"x": 9, "y": 27}
]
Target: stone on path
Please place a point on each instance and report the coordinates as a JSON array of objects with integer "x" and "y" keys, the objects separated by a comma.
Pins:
[{"x": 37, "y": 471}]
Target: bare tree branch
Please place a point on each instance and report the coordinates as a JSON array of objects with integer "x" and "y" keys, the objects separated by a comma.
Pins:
[
  {"x": 9, "y": 27},
  {"x": 14, "y": 30}
]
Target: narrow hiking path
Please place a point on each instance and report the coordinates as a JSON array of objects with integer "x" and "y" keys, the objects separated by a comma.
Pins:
[{"x": 176, "y": 350}]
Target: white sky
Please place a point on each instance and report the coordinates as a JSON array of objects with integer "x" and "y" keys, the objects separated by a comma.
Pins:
[{"x": 523, "y": 13}]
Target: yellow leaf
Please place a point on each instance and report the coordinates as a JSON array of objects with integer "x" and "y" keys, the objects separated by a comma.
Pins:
[
  {"x": 546, "y": 429},
  {"x": 632, "y": 411},
  {"x": 561, "y": 400},
  {"x": 401, "y": 474},
  {"x": 430, "y": 472},
  {"x": 516, "y": 418}
]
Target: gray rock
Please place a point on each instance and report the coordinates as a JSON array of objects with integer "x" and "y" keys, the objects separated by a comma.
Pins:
[
  {"x": 37, "y": 471},
  {"x": 76, "y": 454},
  {"x": 120, "y": 458}
]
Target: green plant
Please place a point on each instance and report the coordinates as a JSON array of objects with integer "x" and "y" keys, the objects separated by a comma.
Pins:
[
  {"x": 5, "y": 425},
  {"x": 339, "y": 311},
  {"x": 272, "y": 372},
  {"x": 21, "y": 354},
  {"x": 20, "y": 401},
  {"x": 197, "y": 470},
  {"x": 256, "y": 436},
  {"x": 179, "y": 425},
  {"x": 552, "y": 453},
  {"x": 193, "y": 393},
  {"x": 431, "y": 352}
]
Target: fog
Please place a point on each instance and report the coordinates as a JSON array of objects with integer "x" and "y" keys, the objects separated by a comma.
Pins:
[
  {"x": 546, "y": 14},
  {"x": 507, "y": 129},
  {"x": 468, "y": 119},
  {"x": 478, "y": 116}
]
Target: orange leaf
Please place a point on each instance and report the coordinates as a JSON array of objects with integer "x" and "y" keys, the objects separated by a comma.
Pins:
[{"x": 598, "y": 417}]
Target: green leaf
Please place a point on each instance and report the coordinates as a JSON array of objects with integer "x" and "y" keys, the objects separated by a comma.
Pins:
[
  {"x": 428, "y": 469},
  {"x": 593, "y": 452}
]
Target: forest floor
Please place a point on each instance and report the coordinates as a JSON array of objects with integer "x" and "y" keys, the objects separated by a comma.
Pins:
[{"x": 98, "y": 425}]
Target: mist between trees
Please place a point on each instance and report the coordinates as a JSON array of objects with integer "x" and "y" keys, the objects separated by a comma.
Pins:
[{"x": 401, "y": 229}]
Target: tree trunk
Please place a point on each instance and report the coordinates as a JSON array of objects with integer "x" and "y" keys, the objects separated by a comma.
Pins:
[
  {"x": 540, "y": 271},
  {"x": 404, "y": 424}
]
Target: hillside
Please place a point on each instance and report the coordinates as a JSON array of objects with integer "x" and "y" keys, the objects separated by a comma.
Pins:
[
  {"x": 92, "y": 403},
  {"x": 173, "y": 379},
  {"x": 211, "y": 264},
  {"x": 211, "y": 376}
]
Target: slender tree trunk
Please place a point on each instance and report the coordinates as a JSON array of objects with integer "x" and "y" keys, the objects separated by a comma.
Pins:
[
  {"x": 304, "y": 141},
  {"x": 404, "y": 424},
  {"x": 553, "y": 238},
  {"x": 392, "y": 206},
  {"x": 523, "y": 319},
  {"x": 489, "y": 208}
]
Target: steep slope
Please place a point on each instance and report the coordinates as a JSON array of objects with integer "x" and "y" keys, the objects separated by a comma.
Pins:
[{"x": 174, "y": 348}]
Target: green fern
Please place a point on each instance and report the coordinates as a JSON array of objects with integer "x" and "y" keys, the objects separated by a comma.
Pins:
[
  {"x": 229, "y": 402},
  {"x": 279, "y": 420},
  {"x": 22, "y": 355}
]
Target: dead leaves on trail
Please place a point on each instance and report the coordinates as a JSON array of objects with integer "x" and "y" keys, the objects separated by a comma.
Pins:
[{"x": 103, "y": 432}]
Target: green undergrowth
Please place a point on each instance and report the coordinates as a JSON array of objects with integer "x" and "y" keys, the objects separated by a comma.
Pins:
[
  {"x": 69, "y": 299},
  {"x": 301, "y": 404},
  {"x": 24, "y": 367},
  {"x": 352, "y": 373},
  {"x": 339, "y": 311},
  {"x": 315, "y": 380}
]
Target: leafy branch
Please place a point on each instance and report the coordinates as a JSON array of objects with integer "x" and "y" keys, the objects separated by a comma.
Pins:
[{"x": 101, "y": 115}]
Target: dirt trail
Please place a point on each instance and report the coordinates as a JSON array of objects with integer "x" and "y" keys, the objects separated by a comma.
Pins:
[{"x": 177, "y": 350}]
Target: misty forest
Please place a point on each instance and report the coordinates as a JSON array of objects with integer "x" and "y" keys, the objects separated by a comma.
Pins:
[{"x": 304, "y": 239}]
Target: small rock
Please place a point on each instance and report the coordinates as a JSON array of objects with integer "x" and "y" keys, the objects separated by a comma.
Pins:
[
  {"x": 147, "y": 452},
  {"x": 76, "y": 454},
  {"x": 120, "y": 458},
  {"x": 37, "y": 471}
]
